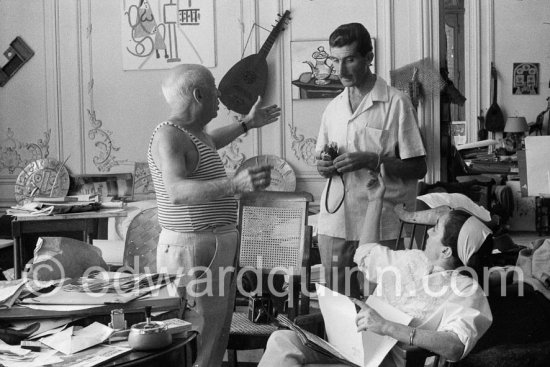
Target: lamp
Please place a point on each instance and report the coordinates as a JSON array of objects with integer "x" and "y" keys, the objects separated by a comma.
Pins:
[{"x": 516, "y": 126}]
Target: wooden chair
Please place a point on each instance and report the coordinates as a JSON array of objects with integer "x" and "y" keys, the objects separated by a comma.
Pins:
[
  {"x": 140, "y": 247},
  {"x": 415, "y": 225},
  {"x": 273, "y": 235}
]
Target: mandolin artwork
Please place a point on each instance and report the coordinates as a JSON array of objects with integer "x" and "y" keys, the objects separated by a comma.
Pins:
[{"x": 247, "y": 79}]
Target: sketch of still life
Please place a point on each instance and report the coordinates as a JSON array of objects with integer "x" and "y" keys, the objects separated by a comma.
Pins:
[
  {"x": 158, "y": 34},
  {"x": 313, "y": 75}
]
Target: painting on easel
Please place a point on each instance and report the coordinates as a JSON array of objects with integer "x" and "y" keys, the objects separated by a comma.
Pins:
[{"x": 158, "y": 34}]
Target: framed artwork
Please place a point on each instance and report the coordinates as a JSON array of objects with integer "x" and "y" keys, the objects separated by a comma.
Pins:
[
  {"x": 158, "y": 34},
  {"x": 458, "y": 132},
  {"x": 525, "y": 78},
  {"x": 313, "y": 75},
  {"x": 118, "y": 186}
]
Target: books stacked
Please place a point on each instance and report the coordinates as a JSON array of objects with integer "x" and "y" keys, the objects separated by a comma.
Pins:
[{"x": 67, "y": 200}]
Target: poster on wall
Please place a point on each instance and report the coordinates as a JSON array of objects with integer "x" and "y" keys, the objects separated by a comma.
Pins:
[
  {"x": 525, "y": 78},
  {"x": 159, "y": 34}
]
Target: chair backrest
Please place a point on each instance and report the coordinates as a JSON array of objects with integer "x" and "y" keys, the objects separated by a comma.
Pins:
[
  {"x": 140, "y": 248},
  {"x": 274, "y": 235},
  {"x": 415, "y": 225}
]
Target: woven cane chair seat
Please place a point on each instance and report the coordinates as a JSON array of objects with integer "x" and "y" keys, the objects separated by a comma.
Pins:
[
  {"x": 241, "y": 325},
  {"x": 140, "y": 249}
]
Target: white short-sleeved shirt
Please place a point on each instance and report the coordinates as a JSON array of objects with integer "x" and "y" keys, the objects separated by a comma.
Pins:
[
  {"x": 385, "y": 122},
  {"x": 437, "y": 299}
]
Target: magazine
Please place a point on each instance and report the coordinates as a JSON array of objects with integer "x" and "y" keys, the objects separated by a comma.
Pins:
[{"x": 315, "y": 342}]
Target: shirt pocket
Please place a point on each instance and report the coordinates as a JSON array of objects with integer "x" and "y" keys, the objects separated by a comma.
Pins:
[{"x": 370, "y": 139}]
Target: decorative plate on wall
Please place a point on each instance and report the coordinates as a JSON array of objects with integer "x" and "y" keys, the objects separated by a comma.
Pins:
[
  {"x": 283, "y": 177},
  {"x": 43, "y": 177}
]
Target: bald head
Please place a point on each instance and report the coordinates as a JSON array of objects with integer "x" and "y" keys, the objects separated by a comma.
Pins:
[{"x": 179, "y": 84}]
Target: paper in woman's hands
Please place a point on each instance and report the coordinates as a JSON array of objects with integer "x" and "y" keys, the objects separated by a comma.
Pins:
[{"x": 366, "y": 348}]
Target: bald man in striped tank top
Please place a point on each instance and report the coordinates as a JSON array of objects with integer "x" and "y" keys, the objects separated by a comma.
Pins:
[{"x": 196, "y": 205}]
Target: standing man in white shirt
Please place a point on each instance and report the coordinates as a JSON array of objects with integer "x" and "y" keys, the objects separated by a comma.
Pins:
[{"x": 371, "y": 123}]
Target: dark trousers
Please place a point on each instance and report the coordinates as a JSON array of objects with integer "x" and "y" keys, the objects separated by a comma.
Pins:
[{"x": 341, "y": 273}]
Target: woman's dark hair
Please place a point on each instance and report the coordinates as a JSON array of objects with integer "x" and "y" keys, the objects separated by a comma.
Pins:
[
  {"x": 346, "y": 34},
  {"x": 480, "y": 258}
]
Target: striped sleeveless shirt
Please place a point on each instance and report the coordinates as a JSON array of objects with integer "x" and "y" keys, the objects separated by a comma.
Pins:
[{"x": 197, "y": 217}]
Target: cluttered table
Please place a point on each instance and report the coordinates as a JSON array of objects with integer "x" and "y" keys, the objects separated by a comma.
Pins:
[
  {"x": 47, "y": 323},
  {"x": 92, "y": 224}
]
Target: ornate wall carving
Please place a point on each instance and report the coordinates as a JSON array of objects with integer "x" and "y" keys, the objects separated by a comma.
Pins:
[
  {"x": 16, "y": 155},
  {"x": 303, "y": 148},
  {"x": 231, "y": 156},
  {"x": 104, "y": 158}
]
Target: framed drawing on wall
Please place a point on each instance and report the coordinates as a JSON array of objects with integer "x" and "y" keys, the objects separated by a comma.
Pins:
[
  {"x": 526, "y": 78},
  {"x": 458, "y": 132},
  {"x": 159, "y": 34},
  {"x": 313, "y": 75}
]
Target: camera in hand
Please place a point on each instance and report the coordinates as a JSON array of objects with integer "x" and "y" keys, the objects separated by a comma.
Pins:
[
  {"x": 329, "y": 152},
  {"x": 261, "y": 309}
]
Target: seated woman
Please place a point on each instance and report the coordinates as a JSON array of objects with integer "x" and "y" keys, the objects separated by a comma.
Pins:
[{"x": 450, "y": 311}]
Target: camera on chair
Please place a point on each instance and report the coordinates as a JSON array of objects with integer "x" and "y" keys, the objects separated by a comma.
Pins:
[{"x": 260, "y": 308}]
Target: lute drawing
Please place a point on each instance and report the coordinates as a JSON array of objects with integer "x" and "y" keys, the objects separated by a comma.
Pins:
[{"x": 247, "y": 79}]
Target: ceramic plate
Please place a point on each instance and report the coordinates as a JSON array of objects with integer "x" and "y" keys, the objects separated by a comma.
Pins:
[
  {"x": 283, "y": 177},
  {"x": 43, "y": 177}
]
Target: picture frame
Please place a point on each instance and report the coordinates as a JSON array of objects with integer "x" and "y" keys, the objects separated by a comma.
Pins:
[
  {"x": 458, "y": 132},
  {"x": 313, "y": 75},
  {"x": 525, "y": 78}
]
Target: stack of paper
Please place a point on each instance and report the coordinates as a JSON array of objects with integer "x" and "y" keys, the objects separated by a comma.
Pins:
[
  {"x": 10, "y": 291},
  {"x": 70, "y": 340},
  {"x": 84, "y": 198},
  {"x": 98, "y": 291}
]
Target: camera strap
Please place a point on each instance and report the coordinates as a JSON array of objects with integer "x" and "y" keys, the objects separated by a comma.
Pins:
[{"x": 328, "y": 192}]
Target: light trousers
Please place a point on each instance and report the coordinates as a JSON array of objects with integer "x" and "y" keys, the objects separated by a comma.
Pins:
[
  {"x": 206, "y": 260},
  {"x": 284, "y": 349}
]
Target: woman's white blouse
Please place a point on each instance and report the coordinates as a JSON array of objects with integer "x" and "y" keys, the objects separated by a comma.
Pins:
[{"x": 437, "y": 299}]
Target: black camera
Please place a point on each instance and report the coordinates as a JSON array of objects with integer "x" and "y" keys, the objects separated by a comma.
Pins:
[
  {"x": 329, "y": 152},
  {"x": 261, "y": 309}
]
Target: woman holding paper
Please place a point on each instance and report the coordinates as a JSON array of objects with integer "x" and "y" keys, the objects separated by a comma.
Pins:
[{"x": 450, "y": 311}]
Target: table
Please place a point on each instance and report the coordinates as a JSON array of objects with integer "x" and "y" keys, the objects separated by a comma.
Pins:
[
  {"x": 182, "y": 353},
  {"x": 93, "y": 225}
]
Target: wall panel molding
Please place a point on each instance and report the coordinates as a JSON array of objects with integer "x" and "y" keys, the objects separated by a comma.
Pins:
[
  {"x": 104, "y": 148},
  {"x": 472, "y": 57},
  {"x": 53, "y": 83},
  {"x": 429, "y": 113}
]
